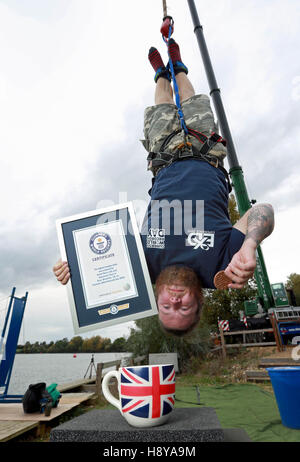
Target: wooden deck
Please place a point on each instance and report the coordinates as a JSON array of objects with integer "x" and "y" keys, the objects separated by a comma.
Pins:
[
  {"x": 14, "y": 422},
  {"x": 12, "y": 429}
]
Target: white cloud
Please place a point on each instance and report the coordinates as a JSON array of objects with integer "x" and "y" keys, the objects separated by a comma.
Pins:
[{"x": 281, "y": 250}]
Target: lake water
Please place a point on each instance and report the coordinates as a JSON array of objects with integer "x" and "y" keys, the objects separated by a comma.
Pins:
[{"x": 57, "y": 367}]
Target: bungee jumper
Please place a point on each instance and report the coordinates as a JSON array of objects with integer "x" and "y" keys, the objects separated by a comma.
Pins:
[{"x": 186, "y": 234}]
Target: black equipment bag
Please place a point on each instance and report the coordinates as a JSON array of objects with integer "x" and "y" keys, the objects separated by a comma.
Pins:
[{"x": 32, "y": 397}]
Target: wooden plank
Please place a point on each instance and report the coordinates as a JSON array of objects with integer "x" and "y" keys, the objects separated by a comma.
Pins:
[
  {"x": 15, "y": 412},
  {"x": 223, "y": 343},
  {"x": 257, "y": 376},
  {"x": 73, "y": 385},
  {"x": 238, "y": 345},
  {"x": 246, "y": 331},
  {"x": 12, "y": 429},
  {"x": 75, "y": 398},
  {"x": 111, "y": 364},
  {"x": 278, "y": 362},
  {"x": 276, "y": 333},
  {"x": 98, "y": 379}
]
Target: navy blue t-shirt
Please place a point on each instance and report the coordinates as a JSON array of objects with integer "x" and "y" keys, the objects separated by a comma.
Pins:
[{"x": 187, "y": 221}]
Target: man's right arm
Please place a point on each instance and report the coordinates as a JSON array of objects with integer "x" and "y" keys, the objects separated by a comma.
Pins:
[
  {"x": 61, "y": 271},
  {"x": 257, "y": 224}
]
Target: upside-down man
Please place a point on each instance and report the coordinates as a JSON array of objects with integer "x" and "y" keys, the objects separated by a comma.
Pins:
[{"x": 187, "y": 234}]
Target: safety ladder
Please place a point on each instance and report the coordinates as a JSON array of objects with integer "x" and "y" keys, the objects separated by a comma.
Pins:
[{"x": 8, "y": 345}]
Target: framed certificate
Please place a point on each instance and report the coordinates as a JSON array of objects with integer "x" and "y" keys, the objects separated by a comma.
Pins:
[{"x": 110, "y": 281}]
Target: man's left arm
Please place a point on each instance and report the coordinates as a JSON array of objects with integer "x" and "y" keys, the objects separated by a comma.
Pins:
[{"x": 257, "y": 224}]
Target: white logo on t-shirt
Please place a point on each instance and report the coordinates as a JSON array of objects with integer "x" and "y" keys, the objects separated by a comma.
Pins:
[
  {"x": 203, "y": 239},
  {"x": 156, "y": 238}
]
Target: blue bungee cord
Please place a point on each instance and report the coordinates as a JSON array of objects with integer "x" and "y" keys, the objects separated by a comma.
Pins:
[{"x": 177, "y": 99}]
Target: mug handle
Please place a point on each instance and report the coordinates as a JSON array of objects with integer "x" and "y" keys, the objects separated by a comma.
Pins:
[{"x": 110, "y": 398}]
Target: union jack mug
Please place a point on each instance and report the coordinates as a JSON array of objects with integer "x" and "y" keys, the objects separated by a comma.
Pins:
[{"x": 146, "y": 393}]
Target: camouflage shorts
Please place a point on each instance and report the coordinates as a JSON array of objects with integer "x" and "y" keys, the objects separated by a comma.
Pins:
[{"x": 162, "y": 119}]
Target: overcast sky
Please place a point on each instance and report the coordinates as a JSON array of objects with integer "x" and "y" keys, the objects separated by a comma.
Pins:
[{"x": 74, "y": 82}]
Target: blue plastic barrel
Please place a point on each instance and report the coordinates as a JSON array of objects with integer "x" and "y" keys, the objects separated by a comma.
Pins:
[{"x": 286, "y": 386}]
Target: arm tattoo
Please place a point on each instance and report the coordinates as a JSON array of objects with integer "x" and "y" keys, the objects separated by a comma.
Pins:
[{"x": 260, "y": 222}]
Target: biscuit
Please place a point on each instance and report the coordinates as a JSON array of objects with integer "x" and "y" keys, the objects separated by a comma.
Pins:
[{"x": 221, "y": 281}]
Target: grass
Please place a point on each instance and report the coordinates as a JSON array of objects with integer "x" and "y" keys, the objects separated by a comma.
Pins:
[{"x": 214, "y": 370}]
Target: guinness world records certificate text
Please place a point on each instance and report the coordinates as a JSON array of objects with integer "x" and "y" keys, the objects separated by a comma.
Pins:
[{"x": 104, "y": 264}]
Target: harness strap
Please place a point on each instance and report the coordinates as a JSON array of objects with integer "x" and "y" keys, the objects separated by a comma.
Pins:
[
  {"x": 208, "y": 142},
  {"x": 163, "y": 159}
]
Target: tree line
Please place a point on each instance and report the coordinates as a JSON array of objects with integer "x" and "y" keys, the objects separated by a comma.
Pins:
[{"x": 95, "y": 344}]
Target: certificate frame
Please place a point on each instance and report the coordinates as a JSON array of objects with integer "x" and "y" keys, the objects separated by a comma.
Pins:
[{"x": 90, "y": 307}]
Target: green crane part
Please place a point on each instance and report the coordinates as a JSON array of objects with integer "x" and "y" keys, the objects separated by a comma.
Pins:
[{"x": 236, "y": 172}]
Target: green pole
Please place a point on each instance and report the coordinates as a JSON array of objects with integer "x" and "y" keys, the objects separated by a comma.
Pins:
[
  {"x": 236, "y": 172},
  {"x": 244, "y": 204},
  {"x": 238, "y": 183}
]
